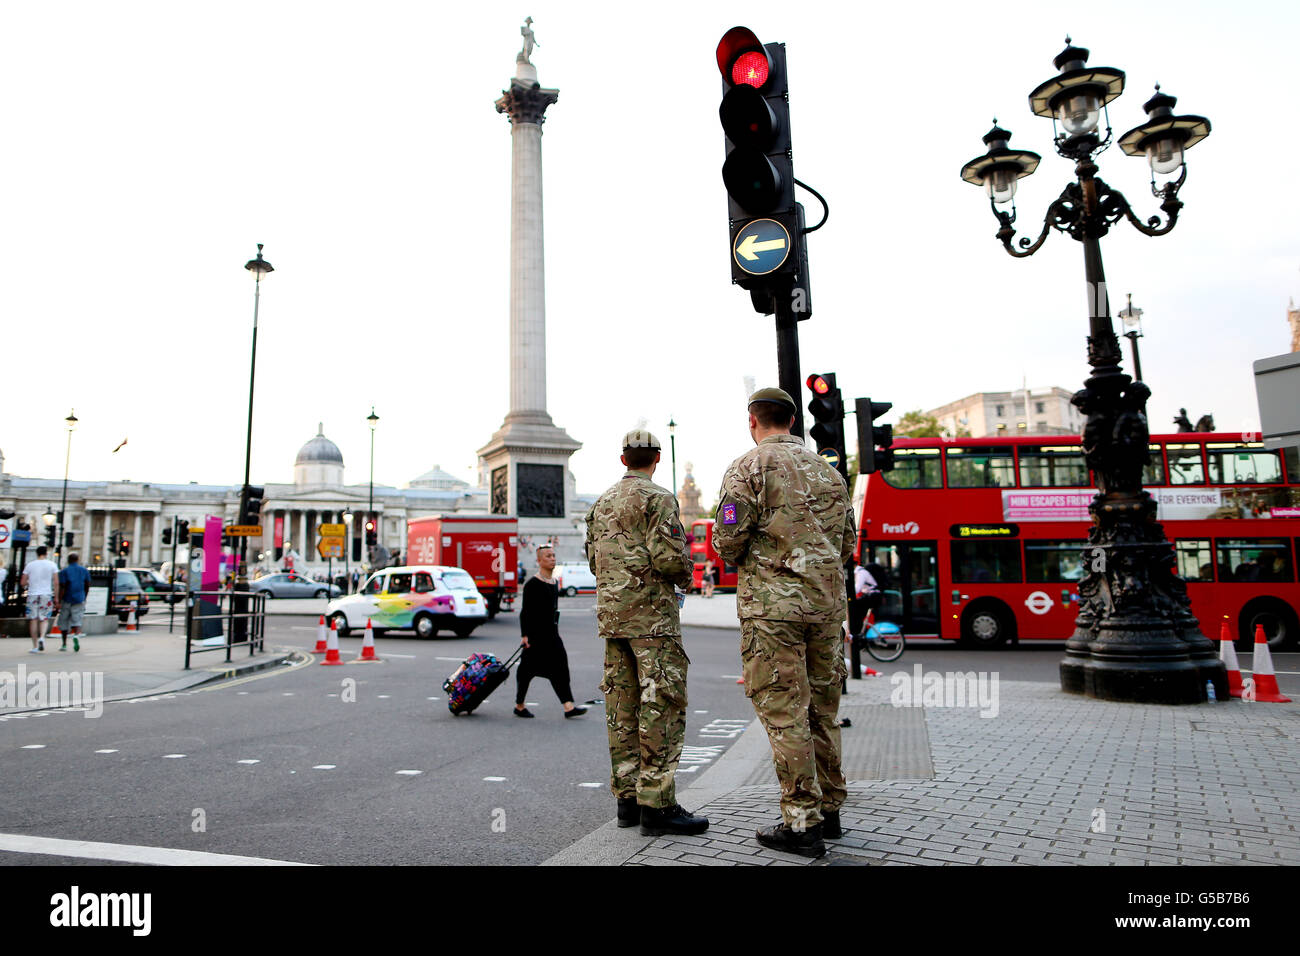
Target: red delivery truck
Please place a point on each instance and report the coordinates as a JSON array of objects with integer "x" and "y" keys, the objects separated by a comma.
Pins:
[{"x": 485, "y": 546}]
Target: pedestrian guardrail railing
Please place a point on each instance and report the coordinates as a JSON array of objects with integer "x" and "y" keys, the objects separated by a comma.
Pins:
[{"x": 237, "y": 616}]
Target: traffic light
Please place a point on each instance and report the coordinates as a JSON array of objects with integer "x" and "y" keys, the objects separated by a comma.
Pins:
[
  {"x": 250, "y": 505},
  {"x": 125, "y": 547},
  {"x": 51, "y": 535},
  {"x": 372, "y": 539},
  {"x": 874, "y": 441},
  {"x": 67, "y": 539},
  {"x": 827, "y": 411},
  {"x": 182, "y": 531},
  {"x": 115, "y": 543},
  {"x": 167, "y": 534},
  {"x": 758, "y": 173}
]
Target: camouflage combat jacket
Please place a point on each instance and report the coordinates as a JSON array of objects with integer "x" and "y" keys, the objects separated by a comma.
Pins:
[
  {"x": 784, "y": 520},
  {"x": 637, "y": 549}
]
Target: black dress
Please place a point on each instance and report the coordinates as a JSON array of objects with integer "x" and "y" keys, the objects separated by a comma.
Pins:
[{"x": 544, "y": 656}]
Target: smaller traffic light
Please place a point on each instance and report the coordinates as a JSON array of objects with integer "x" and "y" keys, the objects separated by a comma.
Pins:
[
  {"x": 51, "y": 535},
  {"x": 250, "y": 505},
  {"x": 167, "y": 535},
  {"x": 125, "y": 547},
  {"x": 874, "y": 441},
  {"x": 827, "y": 411},
  {"x": 182, "y": 531},
  {"x": 114, "y": 543},
  {"x": 372, "y": 539},
  {"x": 67, "y": 539}
]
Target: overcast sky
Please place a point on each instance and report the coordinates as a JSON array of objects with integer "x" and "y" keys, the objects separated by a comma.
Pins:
[{"x": 150, "y": 146}]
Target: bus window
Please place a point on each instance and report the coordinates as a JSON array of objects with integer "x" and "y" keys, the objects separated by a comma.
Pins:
[
  {"x": 1051, "y": 562},
  {"x": 1232, "y": 464},
  {"x": 1254, "y": 559},
  {"x": 1292, "y": 456},
  {"x": 986, "y": 562},
  {"x": 1052, "y": 466},
  {"x": 1195, "y": 563},
  {"x": 915, "y": 468},
  {"x": 1153, "y": 472},
  {"x": 1185, "y": 467},
  {"x": 981, "y": 468}
]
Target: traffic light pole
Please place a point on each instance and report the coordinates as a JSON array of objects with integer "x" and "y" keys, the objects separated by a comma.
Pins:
[
  {"x": 787, "y": 353},
  {"x": 171, "y": 597}
]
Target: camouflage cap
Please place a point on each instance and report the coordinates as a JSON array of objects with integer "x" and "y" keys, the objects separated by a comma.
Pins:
[
  {"x": 775, "y": 396},
  {"x": 640, "y": 438}
]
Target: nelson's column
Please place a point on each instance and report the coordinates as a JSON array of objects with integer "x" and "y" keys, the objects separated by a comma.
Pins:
[{"x": 525, "y": 464}]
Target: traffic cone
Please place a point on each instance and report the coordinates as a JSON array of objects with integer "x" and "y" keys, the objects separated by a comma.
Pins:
[
  {"x": 368, "y": 644},
  {"x": 332, "y": 648},
  {"x": 1266, "y": 689},
  {"x": 54, "y": 630},
  {"x": 130, "y": 621},
  {"x": 1228, "y": 654},
  {"x": 320, "y": 635}
]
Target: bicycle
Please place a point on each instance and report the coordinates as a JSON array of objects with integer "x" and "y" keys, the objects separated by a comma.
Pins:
[{"x": 883, "y": 640}]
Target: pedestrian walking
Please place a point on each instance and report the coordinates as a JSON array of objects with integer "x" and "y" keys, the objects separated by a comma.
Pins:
[
  {"x": 74, "y": 586},
  {"x": 706, "y": 579},
  {"x": 41, "y": 579},
  {"x": 784, "y": 521},
  {"x": 544, "y": 654},
  {"x": 868, "y": 594},
  {"x": 636, "y": 548}
]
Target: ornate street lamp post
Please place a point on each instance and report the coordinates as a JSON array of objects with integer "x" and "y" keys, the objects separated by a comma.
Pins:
[
  {"x": 672, "y": 441},
  {"x": 71, "y": 422},
  {"x": 1135, "y": 638},
  {"x": 372, "y": 420},
  {"x": 1132, "y": 319}
]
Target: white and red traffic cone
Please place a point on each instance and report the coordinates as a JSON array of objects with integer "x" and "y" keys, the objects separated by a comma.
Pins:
[
  {"x": 368, "y": 644},
  {"x": 1266, "y": 689},
  {"x": 321, "y": 631},
  {"x": 1228, "y": 654},
  {"x": 54, "y": 630},
  {"x": 130, "y": 621},
  {"x": 332, "y": 648}
]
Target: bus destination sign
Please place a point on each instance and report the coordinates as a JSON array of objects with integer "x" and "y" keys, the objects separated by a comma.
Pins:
[{"x": 985, "y": 531}]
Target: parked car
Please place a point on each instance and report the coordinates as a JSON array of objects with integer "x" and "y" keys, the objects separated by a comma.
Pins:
[
  {"x": 128, "y": 595},
  {"x": 425, "y": 599},
  {"x": 573, "y": 578},
  {"x": 153, "y": 582},
  {"x": 291, "y": 584}
]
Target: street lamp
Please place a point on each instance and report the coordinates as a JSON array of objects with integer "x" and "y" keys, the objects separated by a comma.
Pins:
[
  {"x": 1135, "y": 636},
  {"x": 672, "y": 441},
  {"x": 347, "y": 550},
  {"x": 372, "y": 420},
  {"x": 71, "y": 423},
  {"x": 259, "y": 267},
  {"x": 1132, "y": 319}
]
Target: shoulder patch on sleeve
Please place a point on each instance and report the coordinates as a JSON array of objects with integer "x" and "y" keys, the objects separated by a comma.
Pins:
[{"x": 728, "y": 513}]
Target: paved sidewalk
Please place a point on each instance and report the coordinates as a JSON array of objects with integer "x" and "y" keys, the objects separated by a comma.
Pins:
[
  {"x": 717, "y": 611},
  {"x": 1052, "y": 779},
  {"x": 138, "y": 664}
]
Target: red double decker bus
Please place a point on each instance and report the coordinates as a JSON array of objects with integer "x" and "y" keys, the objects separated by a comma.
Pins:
[
  {"x": 702, "y": 551},
  {"x": 983, "y": 538}
]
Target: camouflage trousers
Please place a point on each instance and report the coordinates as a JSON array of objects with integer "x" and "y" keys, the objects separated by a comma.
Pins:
[
  {"x": 793, "y": 675},
  {"x": 645, "y": 708}
]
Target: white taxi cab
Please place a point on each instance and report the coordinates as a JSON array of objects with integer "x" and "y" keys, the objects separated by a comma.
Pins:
[{"x": 425, "y": 599}]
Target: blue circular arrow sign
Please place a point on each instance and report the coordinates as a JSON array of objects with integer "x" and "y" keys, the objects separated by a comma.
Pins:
[
  {"x": 831, "y": 456},
  {"x": 761, "y": 246}
]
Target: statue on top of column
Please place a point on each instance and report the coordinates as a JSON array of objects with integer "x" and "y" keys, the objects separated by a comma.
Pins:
[{"x": 529, "y": 39}]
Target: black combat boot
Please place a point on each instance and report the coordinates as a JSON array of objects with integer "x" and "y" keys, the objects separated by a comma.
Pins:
[
  {"x": 831, "y": 825},
  {"x": 629, "y": 812},
  {"x": 807, "y": 843},
  {"x": 674, "y": 819}
]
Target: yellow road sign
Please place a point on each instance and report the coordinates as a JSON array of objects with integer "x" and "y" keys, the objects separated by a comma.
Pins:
[
  {"x": 332, "y": 530},
  {"x": 330, "y": 547},
  {"x": 244, "y": 530}
]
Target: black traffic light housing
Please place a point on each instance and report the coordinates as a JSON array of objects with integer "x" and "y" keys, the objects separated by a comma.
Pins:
[
  {"x": 874, "y": 441},
  {"x": 182, "y": 532},
  {"x": 372, "y": 538},
  {"x": 765, "y": 226},
  {"x": 250, "y": 505},
  {"x": 115, "y": 543},
  {"x": 51, "y": 536},
  {"x": 67, "y": 539},
  {"x": 827, "y": 411},
  {"x": 167, "y": 534}
]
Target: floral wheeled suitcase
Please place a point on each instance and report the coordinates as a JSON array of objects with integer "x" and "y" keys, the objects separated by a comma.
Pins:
[{"x": 476, "y": 678}]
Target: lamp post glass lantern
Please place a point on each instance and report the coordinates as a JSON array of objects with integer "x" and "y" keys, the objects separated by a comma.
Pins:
[
  {"x": 1135, "y": 636},
  {"x": 1132, "y": 319}
]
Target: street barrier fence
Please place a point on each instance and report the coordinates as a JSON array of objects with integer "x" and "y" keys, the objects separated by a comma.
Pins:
[{"x": 238, "y": 616}]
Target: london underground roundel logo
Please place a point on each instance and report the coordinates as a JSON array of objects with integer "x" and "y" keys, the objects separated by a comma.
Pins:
[{"x": 1039, "y": 602}]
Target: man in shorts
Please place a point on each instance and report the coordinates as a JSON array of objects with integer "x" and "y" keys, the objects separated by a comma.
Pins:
[
  {"x": 41, "y": 579},
  {"x": 74, "y": 585}
]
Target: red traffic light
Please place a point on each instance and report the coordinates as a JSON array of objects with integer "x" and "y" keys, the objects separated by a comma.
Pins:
[
  {"x": 742, "y": 59},
  {"x": 370, "y": 526},
  {"x": 818, "y": 384}
]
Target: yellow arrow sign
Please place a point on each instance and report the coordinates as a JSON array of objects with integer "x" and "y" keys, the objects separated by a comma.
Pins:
[
  {"x": 332, "y": 530},
  {"x": 330, "y": 547},
  {"x": 243, "y": 530},
  {"x": 750, "y": 245}
]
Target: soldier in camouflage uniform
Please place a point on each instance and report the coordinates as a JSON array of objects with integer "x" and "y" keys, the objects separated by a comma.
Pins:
[
  {"x": 637, "y": 550},
  {"x": 784, "y": 520}
]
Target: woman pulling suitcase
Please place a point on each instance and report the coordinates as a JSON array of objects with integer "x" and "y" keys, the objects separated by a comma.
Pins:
[{"x": 544, "y": 654}]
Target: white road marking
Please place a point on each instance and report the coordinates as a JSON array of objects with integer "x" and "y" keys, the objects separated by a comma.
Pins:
[
  {"x": 241, "y": 693},
  {"x": 431, "y": 698},
  {"x": 172, "y": 756},
  {"x": 494, "y": 779},
  {"x": 700, "y": 712},
  {"x": 731, "y": 676},
  {"x": 287, "y": 693},
  {"x": 406, "y": 656},
  {"x": 105, "y": 751},
  {"x": 331, "y": 695},
  {"x": 456, "y": 659},
  {"x": 128, "y": 853},
  {"x": 591, "y": 786},
  {"x": 324, "y": 766},
  {"x": 248, "y": 761},
  {"x": 33, "y": 746},
  {"x": 410, "y": 773},
  {"x": 384, "y": 696}
]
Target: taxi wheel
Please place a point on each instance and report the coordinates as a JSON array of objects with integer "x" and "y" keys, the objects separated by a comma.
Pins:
[
  {"x": 425, "y": 627},
  {"x": 570, "y": 592},
  {"x": 986, "y": 624},
  {"x": 340, "y": 622}
]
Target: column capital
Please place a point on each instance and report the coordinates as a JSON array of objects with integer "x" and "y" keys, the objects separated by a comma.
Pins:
[{"x": 526, "y": 104}]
